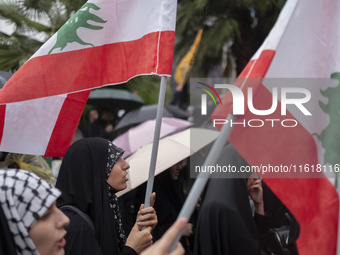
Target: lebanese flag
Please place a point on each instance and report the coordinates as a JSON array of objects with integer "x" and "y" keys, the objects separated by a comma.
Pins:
[
  {"x": 105, "y": 43},
  {"x": 304, "y": 43}
]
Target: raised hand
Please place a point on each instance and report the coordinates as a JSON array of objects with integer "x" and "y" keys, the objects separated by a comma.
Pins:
[
  {"x": 255, "y": 191},
  {"x": 139, "y": 240},
  {"x": 162, "y": 246},
  {"x": 147, "y": 216}
]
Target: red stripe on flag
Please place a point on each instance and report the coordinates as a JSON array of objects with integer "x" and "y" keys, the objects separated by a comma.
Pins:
[
  {"x": 89, "y": 68},
  {"x": 258, "y": 68},
  {"x": 66, "y": 124},
  {"x": 246, "y": 139},
  {"x": 279, "y": 145},
  {"x": 2, "y": 120},
  {"x": 166, "y": 42},
  {"x": 317, "y": 211},
  {"x": 315, "y": 205},
  {"x": 254, "y": 69}
]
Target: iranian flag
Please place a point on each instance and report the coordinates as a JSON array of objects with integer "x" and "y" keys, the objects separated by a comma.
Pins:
[
  {"x": 305, "y": 45},
  {"x": 105, "y": 43}
]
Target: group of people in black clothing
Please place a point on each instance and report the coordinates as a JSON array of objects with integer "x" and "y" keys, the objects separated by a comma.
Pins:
[
  {"x": 243, "y": 216},
  {"x": 99, "y": 125},
  {"x": 34, "y": 214},
  {"x": 234, "y": 216}
]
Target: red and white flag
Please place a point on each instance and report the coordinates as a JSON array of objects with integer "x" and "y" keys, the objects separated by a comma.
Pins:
[
  {"x": 104, "y": 43},
  {"x": 304, "y": 43}
]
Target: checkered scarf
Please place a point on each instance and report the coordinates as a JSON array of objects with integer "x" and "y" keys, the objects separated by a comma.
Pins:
[{"x": 24, "y": 198}]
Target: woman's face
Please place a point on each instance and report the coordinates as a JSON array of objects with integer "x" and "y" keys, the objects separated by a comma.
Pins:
[
  {"x": 48, "y": 232},
  {"x": 176, "y": 169},
  {"x": 118, "y": 175}
]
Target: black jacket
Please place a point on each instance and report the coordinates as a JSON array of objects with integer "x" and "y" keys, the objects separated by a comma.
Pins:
[{"x": 82, "y": 180}]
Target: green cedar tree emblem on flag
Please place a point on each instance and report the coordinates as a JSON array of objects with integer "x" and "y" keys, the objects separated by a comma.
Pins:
[
  {"x": 330, "y": 136},
  {"x": 68, "y": 32}
]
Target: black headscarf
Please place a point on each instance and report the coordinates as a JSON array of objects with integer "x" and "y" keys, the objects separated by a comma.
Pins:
[
  {"x": 113, "y": 154},
  {"x": 169, "y": 201},
  {"x": 171, "y": 188},
  {"x": 7, "y": 245},
  {"x": 83, "y": 182},
  {"x": 225, "y": 224}
]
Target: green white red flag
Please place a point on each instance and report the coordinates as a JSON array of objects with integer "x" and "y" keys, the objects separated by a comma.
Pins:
[
  {"x": 104, "y": 43},
  {"x": 304, "y": 43}
]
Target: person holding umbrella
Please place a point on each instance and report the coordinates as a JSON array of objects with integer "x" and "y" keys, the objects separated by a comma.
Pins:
[
  {"x": 170, "y": 199},
  {"x": 91, "y": 173}
]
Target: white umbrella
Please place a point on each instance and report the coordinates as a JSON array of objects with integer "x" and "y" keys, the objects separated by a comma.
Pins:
[
  {"x": 141, "y": 135},
  {"x": 172, "y": 149}
]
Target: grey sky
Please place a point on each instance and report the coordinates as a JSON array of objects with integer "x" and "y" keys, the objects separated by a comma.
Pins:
[{"x": 4, "y": 27}]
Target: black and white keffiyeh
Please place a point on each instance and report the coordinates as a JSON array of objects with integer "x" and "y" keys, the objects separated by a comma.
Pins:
[
  {"x": 114, "y": 154},
  {"x": 24, "y": 198}
]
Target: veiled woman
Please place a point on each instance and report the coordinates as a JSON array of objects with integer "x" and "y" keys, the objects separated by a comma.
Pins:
[{"x": 91, "y": 173}]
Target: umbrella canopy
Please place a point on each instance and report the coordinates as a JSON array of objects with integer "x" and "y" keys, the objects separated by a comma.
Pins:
[
  {"x": 4, "y": 77},
  {"x": 144, "y": 113},
  {"x": 177, "y": 112},
  {"x": 111, "y": 99},
  {"x": 143, "y": 134},
  {"x": 172, "y": 149}
]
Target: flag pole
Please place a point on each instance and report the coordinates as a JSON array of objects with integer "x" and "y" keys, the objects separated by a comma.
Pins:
[
  {"x": 202, "y": 178},
  {"x": 336, "y": 182},
  {"x": 157, "y": 132}
]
